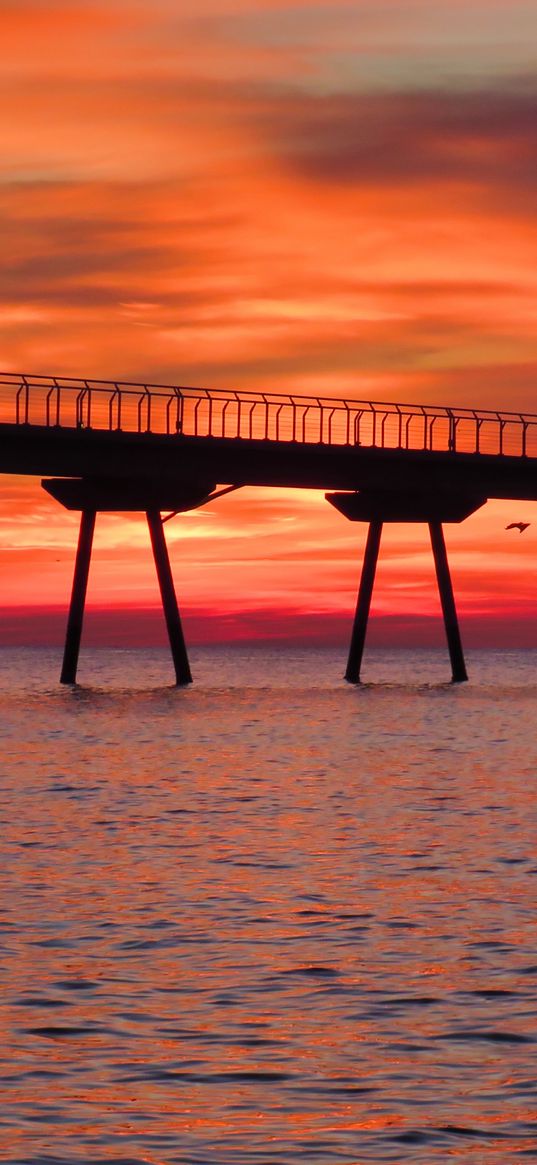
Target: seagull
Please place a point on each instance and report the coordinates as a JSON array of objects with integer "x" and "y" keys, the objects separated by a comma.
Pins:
[{"x": 520, "y": 526}]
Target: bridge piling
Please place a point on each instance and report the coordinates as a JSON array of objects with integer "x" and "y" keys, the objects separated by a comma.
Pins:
[
  {"x": 379, "y": 506},
  {"x": 447, "y": 599},
  {"x": 352, "y": 674},
  {"x": 78, "y": 598},
  {"x": 181, "y": 664}
]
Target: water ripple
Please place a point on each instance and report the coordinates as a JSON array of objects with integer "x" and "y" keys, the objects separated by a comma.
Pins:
[{"x": 269, "y": 921}]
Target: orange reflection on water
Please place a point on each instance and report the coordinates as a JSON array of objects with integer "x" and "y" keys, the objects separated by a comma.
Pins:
[{"x": 270, "y": 917}]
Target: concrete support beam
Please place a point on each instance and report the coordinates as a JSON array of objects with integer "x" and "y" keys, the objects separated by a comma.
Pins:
[
  {"x": 183, "y": 674},
  {"x": 78, "y": 598},
  {"x": 447, "y": 599},
  {"x": 352, "y": 674}
]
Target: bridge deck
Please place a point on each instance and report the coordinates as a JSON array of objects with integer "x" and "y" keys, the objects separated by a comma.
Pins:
[{"x": 68, "y": 427}]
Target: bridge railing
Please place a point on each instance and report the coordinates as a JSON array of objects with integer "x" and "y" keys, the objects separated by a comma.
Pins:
[{"x": 59, "y": 402}]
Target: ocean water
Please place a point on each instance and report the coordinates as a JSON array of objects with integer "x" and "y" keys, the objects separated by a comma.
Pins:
[{"x": 271, "y": 919}]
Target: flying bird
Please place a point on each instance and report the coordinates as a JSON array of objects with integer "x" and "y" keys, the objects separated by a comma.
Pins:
[{"x": 520, "y": 526}]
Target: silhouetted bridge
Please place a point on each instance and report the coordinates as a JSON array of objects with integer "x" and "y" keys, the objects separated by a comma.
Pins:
[{"x": 122, "y": 446}]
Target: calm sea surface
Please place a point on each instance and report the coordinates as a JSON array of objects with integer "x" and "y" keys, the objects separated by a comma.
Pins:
[{"x": 273, "y": 918}]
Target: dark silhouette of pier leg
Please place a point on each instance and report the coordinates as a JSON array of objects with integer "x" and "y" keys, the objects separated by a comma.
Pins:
[
  {"x": 78, "y": 598},
  {"x": 352, "y": 674},
  {"x": 183, "y": 674},
  {"x": 449, "y": 610}
]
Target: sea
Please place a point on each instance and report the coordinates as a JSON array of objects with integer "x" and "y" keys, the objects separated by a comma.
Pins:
[{"x": 271, "y": 919}]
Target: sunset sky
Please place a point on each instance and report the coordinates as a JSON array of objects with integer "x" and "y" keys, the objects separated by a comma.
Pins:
[{"x": 315, "y": 197}]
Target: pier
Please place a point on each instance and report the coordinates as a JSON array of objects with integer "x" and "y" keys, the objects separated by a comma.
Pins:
[{"x": 102, "y": 446}]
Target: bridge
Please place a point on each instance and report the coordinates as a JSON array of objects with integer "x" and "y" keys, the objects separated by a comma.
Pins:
[{"x": 164, "y": 449}]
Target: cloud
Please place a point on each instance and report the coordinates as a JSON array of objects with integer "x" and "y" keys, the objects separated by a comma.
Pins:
[
  {"x": 483, "y": 141},
  {"x": 87, "y": 245}
]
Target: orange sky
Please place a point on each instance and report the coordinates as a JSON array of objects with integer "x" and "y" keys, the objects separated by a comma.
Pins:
[{"x": 308, "y": 196}]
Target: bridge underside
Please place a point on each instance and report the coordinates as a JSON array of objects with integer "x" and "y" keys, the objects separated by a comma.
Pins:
[
  {"x": 375, "y": 507},
  {"x": 126, "y": 495}
]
